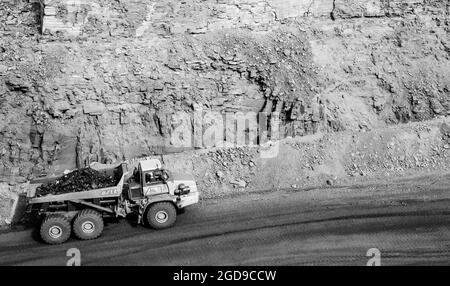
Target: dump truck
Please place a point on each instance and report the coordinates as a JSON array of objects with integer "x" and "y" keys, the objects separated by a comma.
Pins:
[{"x": 149, "y": 193}]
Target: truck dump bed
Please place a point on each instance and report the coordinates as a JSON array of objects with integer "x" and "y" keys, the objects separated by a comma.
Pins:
[{"x": 109, "y": 192}]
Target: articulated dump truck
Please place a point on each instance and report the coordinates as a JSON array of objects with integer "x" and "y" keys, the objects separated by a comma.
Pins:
[{"x": 152, "y": 194}]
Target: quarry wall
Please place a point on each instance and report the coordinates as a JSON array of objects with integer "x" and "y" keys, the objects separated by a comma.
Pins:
[{"x": 104, "y": 81}]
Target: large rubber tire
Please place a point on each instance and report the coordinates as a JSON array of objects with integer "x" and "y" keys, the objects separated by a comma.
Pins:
[
  {"x": 55, "y": 229},
  {"x": 88, "y": 224},
  {"x": 161, "y": 215}
]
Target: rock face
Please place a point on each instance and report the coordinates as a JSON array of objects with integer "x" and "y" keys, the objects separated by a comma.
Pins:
[{"x": 103, "y": 81}]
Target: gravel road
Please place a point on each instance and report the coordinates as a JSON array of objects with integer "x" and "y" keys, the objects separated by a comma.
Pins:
[{"x": 407, "y": 220}]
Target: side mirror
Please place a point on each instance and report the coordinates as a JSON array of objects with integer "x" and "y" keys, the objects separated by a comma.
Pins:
[{"x": 165, "y": 176}]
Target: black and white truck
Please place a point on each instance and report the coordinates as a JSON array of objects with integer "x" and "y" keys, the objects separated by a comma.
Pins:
[{"x": 153, "y": 194}]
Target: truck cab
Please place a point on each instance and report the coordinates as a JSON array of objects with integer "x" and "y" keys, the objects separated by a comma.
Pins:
[
  {"x": 148, "y": 179},
  {"x": 150, "y": 183}
]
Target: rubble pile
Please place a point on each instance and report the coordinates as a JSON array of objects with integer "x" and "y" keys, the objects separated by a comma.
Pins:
[
  {"x": 393, "y": 153},
  {"x": 77, "y": 181},
  {"x": 232, "y": 169}
]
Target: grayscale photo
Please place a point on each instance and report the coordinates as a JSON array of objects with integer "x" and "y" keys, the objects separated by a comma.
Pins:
[{"x": 236, "y": 136}]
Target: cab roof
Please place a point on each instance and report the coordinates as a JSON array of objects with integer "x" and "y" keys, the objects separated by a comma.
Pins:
[{"x": 152, "y": 164}]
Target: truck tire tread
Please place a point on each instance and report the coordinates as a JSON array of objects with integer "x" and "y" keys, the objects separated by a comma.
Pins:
[
  {"x": 165, "y": 207},
  {"x": 59, "y": 221},
  {"x": 92, "y": 216}
]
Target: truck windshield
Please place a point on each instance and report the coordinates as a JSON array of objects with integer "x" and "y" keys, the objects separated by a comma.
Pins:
[{"x": 156, "y": 176}]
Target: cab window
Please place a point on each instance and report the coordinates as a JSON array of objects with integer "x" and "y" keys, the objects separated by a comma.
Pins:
[{"x": 154, "y": 177}]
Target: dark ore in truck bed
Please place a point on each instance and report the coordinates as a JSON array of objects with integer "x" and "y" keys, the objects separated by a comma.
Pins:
[{"x": 77, "y": 181}]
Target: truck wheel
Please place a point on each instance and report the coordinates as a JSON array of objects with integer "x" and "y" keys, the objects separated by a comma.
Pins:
[
  {"x": 161, "y": 215},
  {"x": 88, "y": 224},
  {"x": 55, "y": 229}
]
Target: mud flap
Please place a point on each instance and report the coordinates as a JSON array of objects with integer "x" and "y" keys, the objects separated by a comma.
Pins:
[
  {"x": 141, "y": 214},
  {"x": 18, "y": 205}
]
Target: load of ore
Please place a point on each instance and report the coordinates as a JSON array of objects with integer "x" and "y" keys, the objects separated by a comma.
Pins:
[{"x": 77, "y": 181}]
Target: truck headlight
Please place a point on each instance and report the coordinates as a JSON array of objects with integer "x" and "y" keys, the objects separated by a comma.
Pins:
[{"x": 182, "y": 190}]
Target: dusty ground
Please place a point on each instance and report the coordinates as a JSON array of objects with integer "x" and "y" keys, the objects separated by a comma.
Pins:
[{"x": 407, "y": 220}]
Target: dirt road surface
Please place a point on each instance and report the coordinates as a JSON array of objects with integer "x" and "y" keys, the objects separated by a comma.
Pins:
[{"x": 407, "y": 220}]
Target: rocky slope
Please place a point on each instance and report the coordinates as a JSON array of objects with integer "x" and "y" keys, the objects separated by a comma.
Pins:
[
  {"x": 321, "y": 160},
  {"x": 107, "y": 79}
]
